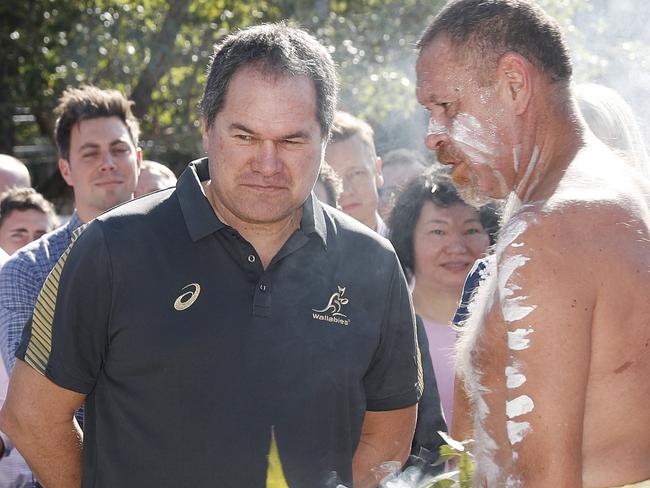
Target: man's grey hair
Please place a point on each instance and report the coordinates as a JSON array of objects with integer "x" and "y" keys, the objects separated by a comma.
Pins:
[
  {"x": 277, "y": 50},
  {"x": 485, "y": 30}
]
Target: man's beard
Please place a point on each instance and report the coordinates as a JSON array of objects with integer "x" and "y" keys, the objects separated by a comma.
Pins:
[{"x": 468, "y": 190}]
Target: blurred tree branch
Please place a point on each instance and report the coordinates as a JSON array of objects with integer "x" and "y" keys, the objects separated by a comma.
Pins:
[{"x": 162, "y": 56}]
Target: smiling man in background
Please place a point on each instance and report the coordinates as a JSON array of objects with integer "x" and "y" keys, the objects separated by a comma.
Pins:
[{"x": 97, "y": 139}]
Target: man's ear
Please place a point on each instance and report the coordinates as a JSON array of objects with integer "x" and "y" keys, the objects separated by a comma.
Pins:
[
  {"x": 138, "y": 159},
  {"x": 379, "y": 176},
  {"x": 64, "y": 169},
  {"x": 515, "y": 74}
]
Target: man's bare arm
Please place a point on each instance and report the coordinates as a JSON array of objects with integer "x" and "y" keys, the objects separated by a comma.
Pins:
[
  {"x": 385, "y": 436},
  {"x": 547, "y": 300},
  {"x": 461, "y": 424},
  {"x": 39, "y": 418}
]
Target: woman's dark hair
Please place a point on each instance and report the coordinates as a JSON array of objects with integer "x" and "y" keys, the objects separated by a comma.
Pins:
[{"x": 435, "y": 187}]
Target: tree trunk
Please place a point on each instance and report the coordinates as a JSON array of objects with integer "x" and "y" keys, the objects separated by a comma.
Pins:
[{"x": 161, "y": 56}]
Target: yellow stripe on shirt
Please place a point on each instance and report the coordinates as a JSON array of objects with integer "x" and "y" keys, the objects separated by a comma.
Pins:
[{"x": 40, "y": 341}]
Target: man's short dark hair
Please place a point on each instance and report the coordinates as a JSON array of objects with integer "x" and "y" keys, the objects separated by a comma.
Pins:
[
  {"x": 485, "y": 30},
  {"x": 24, "y": 199},
  {"x": 90, "y": 102},
  {"x": 435, "y": 187},
  {"x": 277, "y": 50}
]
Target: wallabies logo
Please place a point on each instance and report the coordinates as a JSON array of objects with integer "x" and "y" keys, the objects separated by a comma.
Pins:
[{"x": 332, "y": 311}]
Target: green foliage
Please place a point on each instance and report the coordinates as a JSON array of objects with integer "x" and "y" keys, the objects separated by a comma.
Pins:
[
  {"x": 157, "y": 51},
  {"x": 454, "y": 452}
]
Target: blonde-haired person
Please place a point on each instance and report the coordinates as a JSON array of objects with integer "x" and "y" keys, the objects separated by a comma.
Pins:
[{"x": 612, "y": 120}]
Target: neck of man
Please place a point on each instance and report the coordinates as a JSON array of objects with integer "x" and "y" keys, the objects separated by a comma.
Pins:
[
  {"x": 557, "y": 136},
  {"x": 266, "y": 238},
  {"x": 372, "y": 221},
  {"x": 435, "y": 304},
  {"x": 86, "y": 214}
]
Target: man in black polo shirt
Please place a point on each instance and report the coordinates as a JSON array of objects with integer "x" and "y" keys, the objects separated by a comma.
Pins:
[{"x": 230, "y": 332}]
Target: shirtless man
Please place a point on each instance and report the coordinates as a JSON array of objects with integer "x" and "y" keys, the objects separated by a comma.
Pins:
[{"x": 556, "y": 357}]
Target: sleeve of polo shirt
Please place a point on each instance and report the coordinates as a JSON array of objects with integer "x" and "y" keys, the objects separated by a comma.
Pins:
[
  {"x": 66, "y": 338},
  {"x": 394, "y": 379}
]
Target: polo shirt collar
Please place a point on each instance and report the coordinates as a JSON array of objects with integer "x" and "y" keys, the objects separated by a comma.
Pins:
[
  {"x": 313, "y": 218},
  {"x": 199, "y": 215}
]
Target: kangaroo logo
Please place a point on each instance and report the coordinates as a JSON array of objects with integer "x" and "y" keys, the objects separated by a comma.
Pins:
[{"x": 332, "y": 311}]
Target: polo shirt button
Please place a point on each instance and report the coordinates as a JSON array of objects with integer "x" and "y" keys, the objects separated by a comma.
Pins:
[
  {"x": 262, "y": 287},
  {"x": 251, "y": 258}
]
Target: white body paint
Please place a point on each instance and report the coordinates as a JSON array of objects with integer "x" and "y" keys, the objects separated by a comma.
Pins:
[
  {"x": 485, "y": 446},
  {"x": 519, "y": 406},
  {"x": 500, "y": 285},
  {"x": 513, "y": 482},
  {"x": 534, "y": 159},
  {"x": 514, "y": 379},
  {"x": 516, "y": 157},
  {"x": 518, "y": 339},
  {"x": 517, "y": 431},
  {"x": 514, "y": 310}
]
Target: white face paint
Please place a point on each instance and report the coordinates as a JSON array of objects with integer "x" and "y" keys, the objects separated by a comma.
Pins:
[
  {"x": 478, "y": 143},
  {"x": 436, "y": 128},
  {"x": 519, "y": 406},
  {"x": 514, "y": 379}
]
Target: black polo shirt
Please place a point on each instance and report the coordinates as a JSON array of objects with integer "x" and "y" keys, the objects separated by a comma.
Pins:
[{"x": 191, "y": 354}]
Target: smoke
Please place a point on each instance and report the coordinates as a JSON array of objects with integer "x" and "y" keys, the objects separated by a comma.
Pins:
[{"x": 610, "y": 45}]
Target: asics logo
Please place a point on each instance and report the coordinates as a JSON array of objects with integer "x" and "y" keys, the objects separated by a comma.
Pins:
[{"x": 186, "y": 300}]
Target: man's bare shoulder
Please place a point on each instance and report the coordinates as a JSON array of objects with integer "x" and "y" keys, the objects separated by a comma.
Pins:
[
  {"x": 600, "y": 187},
  {"x": 598, "y": 216}
]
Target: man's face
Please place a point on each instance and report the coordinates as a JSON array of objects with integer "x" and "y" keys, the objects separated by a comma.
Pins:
[
  {"x": 21, "y": 227},
  {"x": 361, "y": 175},
  {"x": 469, "y": 126},
  {"x": 103, "y": 165},
  {"x": 264, "y": 147}
]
